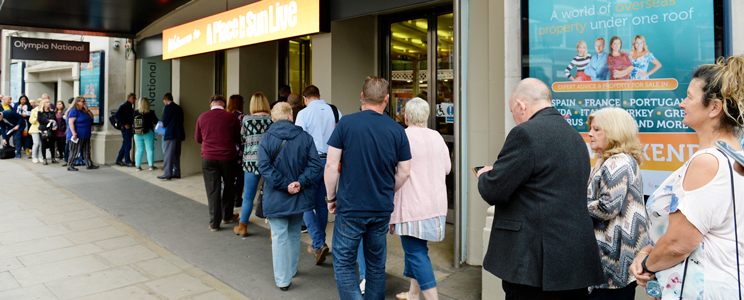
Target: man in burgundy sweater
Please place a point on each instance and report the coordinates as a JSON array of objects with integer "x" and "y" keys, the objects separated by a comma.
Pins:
[{"x": 218, "y": 131}]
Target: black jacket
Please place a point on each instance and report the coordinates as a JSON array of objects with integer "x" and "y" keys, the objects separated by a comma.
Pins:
[
  {"x": 173, "y": 122},
  {"x": 149, "y": 120},
  {"x": 43, "y": 118},
  {"x": 542, "y": 234},
  {"x": 125, "y": 114}
]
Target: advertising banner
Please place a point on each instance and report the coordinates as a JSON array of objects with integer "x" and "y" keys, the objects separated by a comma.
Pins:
[
  {"x": 91, "y": 83},
  {"x": 51, "y": 50},
  {"x": 254, "y": 23},
  {"x": 637, "y": 55},
  {"x": 17, "y": 80},
  {"x": 154, "y": 83}
]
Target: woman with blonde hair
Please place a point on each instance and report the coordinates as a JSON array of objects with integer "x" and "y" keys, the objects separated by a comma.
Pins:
[
  {"x": 47, "y": 126},
  {"x": 144, "y": 137},
  {"x": 641, "y": 57},
  {"x": 33, "y": 130},
  {"x": 695, "y": 250},
  {"x": 253, "y": 126},
  {"x": 580, "y": 61},
  {"x": 615, "y": 199}
]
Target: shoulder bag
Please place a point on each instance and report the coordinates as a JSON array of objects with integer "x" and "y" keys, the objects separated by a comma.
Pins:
[{"x": 258, "y": 199}]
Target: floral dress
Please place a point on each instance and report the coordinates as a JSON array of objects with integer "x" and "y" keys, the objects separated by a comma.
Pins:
[
  {"x": 641, "y": 64},
  {"x": 618, "y": 63},
  {"x": 709, "y": 208}
]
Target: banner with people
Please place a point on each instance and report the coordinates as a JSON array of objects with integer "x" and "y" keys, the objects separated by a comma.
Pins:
[
  {"x": 637, "y": 55},
  {"x": 91, "y": 83}
]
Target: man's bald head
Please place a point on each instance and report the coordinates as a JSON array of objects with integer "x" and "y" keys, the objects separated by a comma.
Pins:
[
  {"x": 294, "y": 100},
  {"x": 6, "y": 100},
  {"x": 531, "y": 89}
]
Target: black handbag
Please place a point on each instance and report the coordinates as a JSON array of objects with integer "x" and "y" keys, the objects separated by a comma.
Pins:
[
  {"x": 7, "y": 152},
  {"x": 45, "y": 134},
  {"x": 736, "y": 227},
  {"x": 258, "y": 199}
]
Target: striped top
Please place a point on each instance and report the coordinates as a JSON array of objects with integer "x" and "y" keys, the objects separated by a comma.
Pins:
[
  {"x": 615, "y": 203},
  {"x": 252, "y": 127},
  {"x": 431, "y": 229},
  {"x": 579, "y": 62}
]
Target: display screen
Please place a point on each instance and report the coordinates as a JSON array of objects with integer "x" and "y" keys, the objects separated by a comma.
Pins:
[{"x": 636, "y": 55}]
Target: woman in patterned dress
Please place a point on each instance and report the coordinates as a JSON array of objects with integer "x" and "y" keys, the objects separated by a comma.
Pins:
[
  {"x": 618, "y": 62},
  {"x": 421, "y": 203},
  {"x": 692, "y": 224},
  {"x": 252, "y": 127},
  {"x": 641, "y": 57},
  {"x": 615, "y": 199}
]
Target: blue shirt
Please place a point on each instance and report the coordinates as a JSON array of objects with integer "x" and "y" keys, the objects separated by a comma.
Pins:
[
  {"x": 317, "y": 119},
  {"x": 372, "y": 144},
  {"x": 597, "y": 67},
  {"x": 83, "y": 124}
]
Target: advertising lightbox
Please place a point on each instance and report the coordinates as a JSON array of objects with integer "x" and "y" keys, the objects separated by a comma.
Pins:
[{"x": 637, "y": 55}]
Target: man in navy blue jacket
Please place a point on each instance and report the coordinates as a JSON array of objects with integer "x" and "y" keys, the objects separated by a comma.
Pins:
[
  {"x": 11, "y": 120},
  {"x": 174, "y": 135},
  {"x": 125, "y": 115}
]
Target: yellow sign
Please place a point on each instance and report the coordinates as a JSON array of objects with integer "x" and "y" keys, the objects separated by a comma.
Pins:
[{"x": 251, "y": 24}]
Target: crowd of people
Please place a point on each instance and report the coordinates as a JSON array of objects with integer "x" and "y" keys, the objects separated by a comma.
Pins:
[{"x": 562, "y": 229}]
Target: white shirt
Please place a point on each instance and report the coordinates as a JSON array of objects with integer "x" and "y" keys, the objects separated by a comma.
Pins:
[{"x": 317, "y": 119}]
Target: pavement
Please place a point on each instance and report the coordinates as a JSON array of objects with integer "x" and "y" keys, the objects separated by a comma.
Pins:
[{"x": 114, "y": 233}]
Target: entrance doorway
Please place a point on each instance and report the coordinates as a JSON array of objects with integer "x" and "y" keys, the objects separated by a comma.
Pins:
[
  {"x": 295, "y": 67},
  {"x": 419, "y": 62}
]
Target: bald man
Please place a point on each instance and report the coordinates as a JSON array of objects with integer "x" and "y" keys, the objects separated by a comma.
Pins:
[{"x": 542, "y": 241}]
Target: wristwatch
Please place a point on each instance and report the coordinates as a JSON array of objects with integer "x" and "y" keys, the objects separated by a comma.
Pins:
[{"x": 330, "y": 200}]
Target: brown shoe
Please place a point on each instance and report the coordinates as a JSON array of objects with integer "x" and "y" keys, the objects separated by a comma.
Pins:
[
  {"x": 234, "y": 217},
  {"x": 213, "y": 229},
  {"x": 241, "y": 229},
  {"x": 320, "y": 255},
  {"x": 310, "y": 249}
]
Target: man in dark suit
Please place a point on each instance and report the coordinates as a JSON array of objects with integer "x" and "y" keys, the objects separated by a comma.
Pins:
[
  {"x": 125, "y": 116},
  {"x": 174, "y": 135},
  {"x": 542, "y": 241}
]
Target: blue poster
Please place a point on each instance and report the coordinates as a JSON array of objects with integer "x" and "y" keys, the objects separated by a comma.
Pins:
[
  {"x": 17, "y": 82},
  {"x": 638, "y": 55},
  {"x": 91, "y": 84}
]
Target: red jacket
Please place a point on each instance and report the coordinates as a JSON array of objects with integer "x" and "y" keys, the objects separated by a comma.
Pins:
[{"x": 218, "y": 131}]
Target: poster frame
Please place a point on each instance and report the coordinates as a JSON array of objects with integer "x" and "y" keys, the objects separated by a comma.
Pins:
[{"x": 101, "y": 88}]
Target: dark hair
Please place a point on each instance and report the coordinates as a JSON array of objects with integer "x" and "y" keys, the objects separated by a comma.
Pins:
[
  {"x": 311, "y": 91},
  {"x": 69, "y": 101},
  {"x": 217, "y": 97},
  {"x": 27, "y": 104},
  {"x": 132, "y": 95},
  {"x": 612, "y": 40},
  {"x": 235, "y": 104},
  {"x": 168, "y": 96},
  {"x": 724, "y": 80},
  {"x": 284, "y": 90}
]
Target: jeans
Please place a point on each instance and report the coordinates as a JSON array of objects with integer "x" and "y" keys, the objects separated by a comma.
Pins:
[
  {"x": 418, "y": 264},
  {"x": 348, "y": 232},
  {"x": 18, "y": 138},
  {"x": 250, "y": 185},
  {"x": 285, "y": 247},
  {"x": 317, "y": 220},
  {"x": 360, "y": 261},
  {"x": 142, "y": 142},
  {"x": 126, "y": 146},
  {"x": 221, "y": 205}
]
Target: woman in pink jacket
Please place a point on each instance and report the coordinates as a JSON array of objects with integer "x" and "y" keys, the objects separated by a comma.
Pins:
[{"x": 421, "y": 204}]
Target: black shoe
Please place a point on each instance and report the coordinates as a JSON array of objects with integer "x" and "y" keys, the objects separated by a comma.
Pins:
[
  {"x": 54, "y": 161},
  {"x": 164, "y": 177},
  {"x": 118, "y": 163},
  {"x": 129, "y": 165},
  {"x": 71, "y": 169},
  {"x": 92, "y": 167},
  {"x": 176, "y": 176},
  {"x": 303, "y": 229},
  {"x": 284, "y": 289}
]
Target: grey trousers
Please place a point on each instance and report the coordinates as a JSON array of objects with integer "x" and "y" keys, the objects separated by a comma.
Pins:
[{"x": 172, "y": 158}]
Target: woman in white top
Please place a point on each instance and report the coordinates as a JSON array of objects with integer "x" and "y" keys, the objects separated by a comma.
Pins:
[{"x": 691, "y": 217}]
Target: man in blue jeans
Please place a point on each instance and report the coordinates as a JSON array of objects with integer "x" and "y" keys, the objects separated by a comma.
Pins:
[
  {"x": 375, "y": 160},
  {"x": 318, "y": 119},
  {"x": 125, "y": 116}
]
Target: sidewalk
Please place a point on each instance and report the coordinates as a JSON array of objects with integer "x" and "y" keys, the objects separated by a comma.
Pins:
[{"x": 55, "y": 245}]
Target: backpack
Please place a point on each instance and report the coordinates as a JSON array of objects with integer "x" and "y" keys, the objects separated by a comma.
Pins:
[
  {"x": 113, "y": 120},
  {"x": 139, "y": 124},
  {"x": 335, "y": 112}
]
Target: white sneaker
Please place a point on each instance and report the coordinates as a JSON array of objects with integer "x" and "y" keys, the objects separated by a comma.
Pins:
[
  {"x": 36, "y": 161},
  {"x": 361, "y": 285}
]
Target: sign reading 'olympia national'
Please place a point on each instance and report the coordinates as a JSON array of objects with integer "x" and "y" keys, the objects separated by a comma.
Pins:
[
  {"x": 51, "y": 50},
  {"x": 636, "y": 55},
  {"x": 254, "y": 23}
]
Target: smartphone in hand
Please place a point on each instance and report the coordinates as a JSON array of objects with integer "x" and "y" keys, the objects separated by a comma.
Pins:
[
  {"x": 731, "y": 152},
  {"x": 476, "y": 169}
]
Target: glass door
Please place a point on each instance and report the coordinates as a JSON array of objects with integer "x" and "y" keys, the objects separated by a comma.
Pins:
[{"x": 296, "y": 66}]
